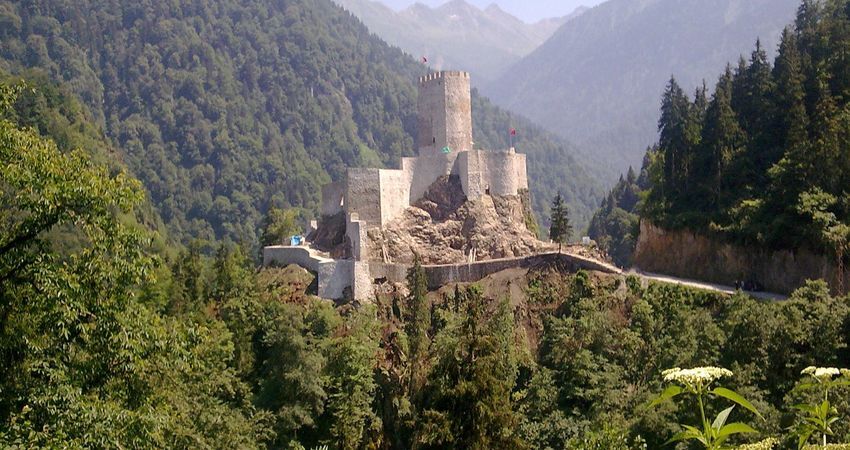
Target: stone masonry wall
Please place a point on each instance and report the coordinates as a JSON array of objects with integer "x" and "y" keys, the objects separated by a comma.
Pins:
[
  {"x": 445, "y": 112},
  {"x": 355, "y": 231},
  {"x": 423, "y": 171},
  {"x": 497, "y": 172},
  {"x": 363, "y": 195},
  {"x": 332, "y": 198},
  {"x": 395, "y": 194}
]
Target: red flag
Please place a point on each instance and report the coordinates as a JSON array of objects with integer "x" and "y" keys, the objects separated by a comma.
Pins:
[{"x": 513, "y": 131}]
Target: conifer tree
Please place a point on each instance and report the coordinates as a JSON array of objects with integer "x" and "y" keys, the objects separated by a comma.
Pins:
[
  {"x": 417, "y": 325},
  {"x": 722, "y": 139},
  {"x": 560, "y": 229},
  {"x": 674, "y": 137}
]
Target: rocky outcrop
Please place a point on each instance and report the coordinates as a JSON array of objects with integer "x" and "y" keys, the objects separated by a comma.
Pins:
[
  {"x": 443, "y": 228},
  {"x": 689, "y": 255}
]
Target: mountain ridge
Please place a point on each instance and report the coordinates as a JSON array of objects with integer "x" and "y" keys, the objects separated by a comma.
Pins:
[
  {"x": 599, "y": 77},
  {"x": 457, "y": 33}
]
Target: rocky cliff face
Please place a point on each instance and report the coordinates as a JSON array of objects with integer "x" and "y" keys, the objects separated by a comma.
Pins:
[
  {"x": 688, "y": 255},
  {"x": 443, "y": 228}
]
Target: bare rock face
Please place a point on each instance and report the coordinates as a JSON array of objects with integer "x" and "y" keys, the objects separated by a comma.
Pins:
[{"x": 443, "y": 228}]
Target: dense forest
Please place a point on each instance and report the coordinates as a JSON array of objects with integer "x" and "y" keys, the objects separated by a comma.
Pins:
[
  {"x": 112, "y": 338},
  {"x": 764, "y": 160},
  {"x": 116, "y": 344},
  {"x": 761, "y": 162},
  {"x": 224, "y": 109},
  {"x": 615, "y": 226}
]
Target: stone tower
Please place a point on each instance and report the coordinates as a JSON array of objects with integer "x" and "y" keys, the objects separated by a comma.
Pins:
[{"x": 445, "y": 113}]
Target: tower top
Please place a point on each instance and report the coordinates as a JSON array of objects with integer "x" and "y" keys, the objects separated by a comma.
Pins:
[
  {"x": 445, "y": 113},
  {"x": 443, "y": 74}
]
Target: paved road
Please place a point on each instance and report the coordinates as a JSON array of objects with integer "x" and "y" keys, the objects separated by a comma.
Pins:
[{"x": 701, "y": 284}]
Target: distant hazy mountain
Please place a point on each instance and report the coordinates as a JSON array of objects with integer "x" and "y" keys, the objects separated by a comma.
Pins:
[
  {"x": 599, "y": 78},
  {"x": 457, "y": 35}
]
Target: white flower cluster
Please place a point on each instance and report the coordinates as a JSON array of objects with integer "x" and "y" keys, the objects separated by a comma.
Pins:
[
  {"x": 766, "y": 444},
  {"x": 822, "y": 373},
  {"x": 698, "y": 376},
  {"x": 828, "y": 447}
]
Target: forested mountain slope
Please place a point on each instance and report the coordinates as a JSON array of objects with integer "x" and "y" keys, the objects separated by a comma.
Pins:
[
  {"x": 598, "y": 79},
  {"x": 456, "y": 34},
  {"x": 226, "y": 108},
  {"x": 764, "y": 161}
]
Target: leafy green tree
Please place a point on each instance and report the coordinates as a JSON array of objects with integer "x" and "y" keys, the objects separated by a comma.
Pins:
[
  {"x": 85, "y": 362},
  {"x": 278, "y": 225},
  {"x": 351, "y": 390}
]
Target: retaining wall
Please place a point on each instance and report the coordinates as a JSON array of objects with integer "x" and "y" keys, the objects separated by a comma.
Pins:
[
  {"x": 685, "y": 254},
  {"x": 442, "y": 274}
]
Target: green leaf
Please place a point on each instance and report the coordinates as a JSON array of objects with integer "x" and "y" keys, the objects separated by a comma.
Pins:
[
  {"x": 669, "y": 393},
  {"x": 737, "y": 398},
  {"x": 735, "y": 428},
  {"x": 690, "y": 433},
  {"x": 720, "y": 420}
]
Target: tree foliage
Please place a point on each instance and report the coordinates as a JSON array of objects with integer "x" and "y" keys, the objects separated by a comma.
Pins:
[
  {"x": 225, "y": 109},
  {"x": 769, "y": 137}
]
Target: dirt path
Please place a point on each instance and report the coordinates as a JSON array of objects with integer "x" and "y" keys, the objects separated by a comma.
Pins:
[{"x": 701, "y": 284}]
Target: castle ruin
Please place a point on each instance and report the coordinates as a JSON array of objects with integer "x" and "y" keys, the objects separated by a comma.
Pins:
[{"x": 370, "y": 198}]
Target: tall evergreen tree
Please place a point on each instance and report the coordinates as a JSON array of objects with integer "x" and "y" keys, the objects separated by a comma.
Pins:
[
  {"x": 722, "y": 140},
  {"x": 560, "y": 229},
  {"x": 417, "y": 325},
  {"x": 674, "y": 137}
]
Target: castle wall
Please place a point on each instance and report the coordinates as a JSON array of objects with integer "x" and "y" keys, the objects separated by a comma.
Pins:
[
  {"x": 332, "y": 198},
  {"x": 423, "y": 171},
  {"x": 363, "y": 195},
  {"x": 445, "y": 113},
  {"x": 355, "y": 231},
  {"x": 494, "y": 172},
  {"x": 395, "y": 194}
]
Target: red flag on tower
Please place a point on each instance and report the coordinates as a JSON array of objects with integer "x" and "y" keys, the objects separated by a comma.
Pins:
[{"x": 513, "y": 131}]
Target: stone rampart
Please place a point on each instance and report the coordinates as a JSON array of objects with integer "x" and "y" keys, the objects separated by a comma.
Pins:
[
  {"x": 332, "y": 198},
  {"x": 395, "y": 194},
  {"x": 484, "y": 172},
  {"x": 443, "y": 274},
  {"x": 363, "y": 195},
  {"x": 423, "y": 171},
  {"x": 355, "y": 231}
]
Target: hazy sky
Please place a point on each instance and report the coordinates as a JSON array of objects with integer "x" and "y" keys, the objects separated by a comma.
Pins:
[{"x": 527, "y": 10}]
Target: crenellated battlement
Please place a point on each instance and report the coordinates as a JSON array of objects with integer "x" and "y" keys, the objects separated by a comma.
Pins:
[{"x": 443, "y": 74}]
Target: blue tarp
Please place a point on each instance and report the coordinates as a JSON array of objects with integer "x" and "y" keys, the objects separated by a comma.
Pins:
[{"x": 296, "y": 240}]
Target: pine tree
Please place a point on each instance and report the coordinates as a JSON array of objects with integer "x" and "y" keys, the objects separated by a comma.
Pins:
[
  {"x": 722, "y": 140},
  {"x": 674, "y": 138},
  {"x": 560, "y": 230}
]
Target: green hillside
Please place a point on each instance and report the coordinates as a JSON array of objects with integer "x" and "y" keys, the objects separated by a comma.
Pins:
[
  {"x": 224, "y": 109},
  {"x": 764, "y": 161}
]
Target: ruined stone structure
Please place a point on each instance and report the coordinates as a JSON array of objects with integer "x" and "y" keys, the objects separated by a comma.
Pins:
[
  {"x": 371, "y": 198},
  {"x": 445, "y": 144}
]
